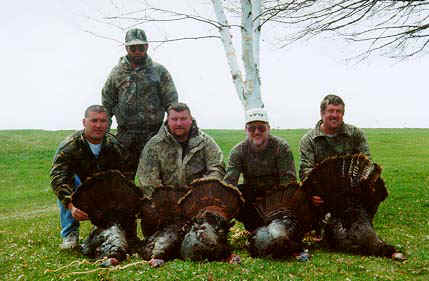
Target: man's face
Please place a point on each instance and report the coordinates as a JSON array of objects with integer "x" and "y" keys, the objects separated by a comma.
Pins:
[
  {"x": 258, "y": 133},
  {"x": 179, "y": 124},
  {"x": 95, "y": 126},
  {"x": 136, "y": 53},
  {"x": 332, "y": 118}
]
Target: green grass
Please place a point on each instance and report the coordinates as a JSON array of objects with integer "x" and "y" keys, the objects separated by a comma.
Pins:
[{"x": 29, "y": 227}]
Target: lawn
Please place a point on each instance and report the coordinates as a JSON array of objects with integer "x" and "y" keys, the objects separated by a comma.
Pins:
[{"x": 29, "y": 226}]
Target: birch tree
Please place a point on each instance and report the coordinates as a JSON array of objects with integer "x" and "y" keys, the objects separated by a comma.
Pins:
[{"x": 394, "y": 28}]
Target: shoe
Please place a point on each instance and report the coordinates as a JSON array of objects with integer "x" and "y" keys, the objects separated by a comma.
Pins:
[
  {"x": 70, "y": 242},
  {"x": 302, "y": 256}
]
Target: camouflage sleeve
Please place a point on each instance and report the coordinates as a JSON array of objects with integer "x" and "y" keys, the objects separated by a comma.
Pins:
[
  {"x": 168, "y": 91},
  {"x": 215, "y": 165},
  {"x": 286, "y": 165},
  {"x": 120, "y": 161},
  {"x": 307, "y": 153},
  {"x": 361, "y": 143},
  {"x": 109, "y": 97},
  {"x": 149, "y": 170},
  {"x": 234, "y": 168},
  {"x": 62, "y": 176}
]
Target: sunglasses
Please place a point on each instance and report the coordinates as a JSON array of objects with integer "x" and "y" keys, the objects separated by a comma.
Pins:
[
  {"x": 260, "y": 128},
  {"x": 139, "y": 48}
]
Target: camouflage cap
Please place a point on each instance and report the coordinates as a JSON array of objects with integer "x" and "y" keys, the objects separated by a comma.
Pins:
[{"x": 135, "y": 36}]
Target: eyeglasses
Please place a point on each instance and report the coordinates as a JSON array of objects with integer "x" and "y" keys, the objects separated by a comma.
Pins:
[
  {"x": 140, "y": 48},
  {"x": 260, "y": 128}
]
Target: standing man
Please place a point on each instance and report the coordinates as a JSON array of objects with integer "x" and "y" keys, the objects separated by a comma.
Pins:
[
  {"x": 78, "y": 157},
  {"x": 137, "y": 92},
  {"x": 179, "y": 153},
  {"x": 265, "y": 161},
  {"x": 330, "y": 137}
]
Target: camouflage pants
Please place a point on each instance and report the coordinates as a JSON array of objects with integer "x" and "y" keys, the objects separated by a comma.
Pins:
[{"x": 134, "y": 141}]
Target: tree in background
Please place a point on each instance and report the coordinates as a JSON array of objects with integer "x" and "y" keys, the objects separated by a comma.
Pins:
[
  {"x": 217, "y": 25},
  {"x": 397, "y": 29}
]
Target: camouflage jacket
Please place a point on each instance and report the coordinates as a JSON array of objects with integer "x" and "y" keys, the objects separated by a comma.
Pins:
[
  {"x": 164, "y": 162},
  {"x": 316, "y": 146},
  {"x": 273, "y": 166},
  {"x": 74, "y": 157},
  {"x": 138, "y": 98}
]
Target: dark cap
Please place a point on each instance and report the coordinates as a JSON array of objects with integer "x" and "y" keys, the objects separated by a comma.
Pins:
[{"x": 135, "y": 36}]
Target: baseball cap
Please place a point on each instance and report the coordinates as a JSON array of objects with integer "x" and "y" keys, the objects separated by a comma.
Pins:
[
  {"x": 256, "y": 114},
  {"x": 135, "y": 36}
]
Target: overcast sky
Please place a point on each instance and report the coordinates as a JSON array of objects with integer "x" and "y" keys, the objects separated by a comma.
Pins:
[{"x": 52, "y": 70}]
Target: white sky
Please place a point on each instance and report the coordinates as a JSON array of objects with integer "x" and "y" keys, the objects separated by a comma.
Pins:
[{"x": 52, "y": 70}]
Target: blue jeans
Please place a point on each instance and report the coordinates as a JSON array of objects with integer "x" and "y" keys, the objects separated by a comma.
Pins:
[{"x": 68, "y": 223}]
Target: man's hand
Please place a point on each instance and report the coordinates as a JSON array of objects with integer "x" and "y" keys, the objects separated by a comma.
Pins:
[
  {"x": 317, "y": 200},
  {"x": 78, "y": 214}
]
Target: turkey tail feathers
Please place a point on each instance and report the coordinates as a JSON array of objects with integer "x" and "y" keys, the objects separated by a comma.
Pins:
[
  {"x": 161, "y": 209},
  {"x": 108, "y": 197},
  {"x": 277, "y": 202},
  {"x": 212, "y": 195},
  {"x": 346, "y": 176}
]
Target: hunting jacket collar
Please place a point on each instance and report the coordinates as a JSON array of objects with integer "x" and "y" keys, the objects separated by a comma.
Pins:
[{"x": 343, "y": 130}]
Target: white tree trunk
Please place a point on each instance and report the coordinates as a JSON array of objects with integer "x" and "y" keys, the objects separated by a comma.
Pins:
[
  {"x": 249, "y": 92},
  {"x": 249, "y": 46},
  {"x": 230, "y": 53}
]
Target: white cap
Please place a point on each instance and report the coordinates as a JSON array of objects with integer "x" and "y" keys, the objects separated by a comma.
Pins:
[{"x": 256, "y": 114}]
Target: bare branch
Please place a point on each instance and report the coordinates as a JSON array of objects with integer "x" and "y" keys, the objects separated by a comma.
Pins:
[{"x": 390, "y": 27}]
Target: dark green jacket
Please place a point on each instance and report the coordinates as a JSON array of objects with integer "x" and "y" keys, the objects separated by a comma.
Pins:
[
  {"x": 315, "y": 146},
  {"x": 271, "y": 167},
  {"x": 74, "y": 157}
]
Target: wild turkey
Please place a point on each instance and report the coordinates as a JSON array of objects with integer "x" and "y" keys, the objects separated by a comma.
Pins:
[
  {"x": 111, "y": 202},
  {"x": 108, "y": 197},
  {"x": 285, "y": 215},
  {"x": 210, "y": 205},
  {"x": 352, "y": 190},
  {"x": 161, "y": 209},
  {"x": 108, "y": 242},
  {"x": 163, "y": 224}
]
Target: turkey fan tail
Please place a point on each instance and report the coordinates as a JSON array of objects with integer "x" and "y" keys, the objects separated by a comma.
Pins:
[
  {"x": 161, "y": 209},
  {"x": 108, "y": 197},
  {"x": 277, "y": 202},
  {"x": 340, "y": 177},
  {"x": 213, "y": 195}
]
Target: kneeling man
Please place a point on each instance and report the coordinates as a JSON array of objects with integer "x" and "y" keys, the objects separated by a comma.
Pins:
[{"x": 266, "y": 163}]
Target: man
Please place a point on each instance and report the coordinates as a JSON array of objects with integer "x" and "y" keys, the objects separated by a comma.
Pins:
[
  {"x": 176, "y": 156},
  {"x": 137, "y": 92},
  {"x": 78, "y": 157},
  {"x": 179, "y": 153},
  {"x": 330, "y": 137},
  {"x": 264, "y": 161},
  {"x": 333, "y": 137}
]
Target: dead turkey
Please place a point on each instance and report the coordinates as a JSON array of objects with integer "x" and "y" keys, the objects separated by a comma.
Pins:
[
  {"x": 163, "y": 223},
  {"x": 285, "y": 215},
  {"x": 108, "y": 198},
  {"x": 106, "y": 242},
  {"x": 210, "y": 205},
  {"x": 352, "y": 190},
  {"x": 112, "y": 203}
]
